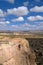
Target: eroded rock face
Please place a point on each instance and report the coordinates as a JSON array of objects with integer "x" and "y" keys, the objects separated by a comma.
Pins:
[{"x": 17, "y": 52}]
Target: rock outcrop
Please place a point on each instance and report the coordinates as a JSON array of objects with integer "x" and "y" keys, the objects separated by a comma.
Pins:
[{"x": 17, "y": 52}]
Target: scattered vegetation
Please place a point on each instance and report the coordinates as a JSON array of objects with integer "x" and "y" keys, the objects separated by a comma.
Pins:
[{"x": 1, "y": 64}]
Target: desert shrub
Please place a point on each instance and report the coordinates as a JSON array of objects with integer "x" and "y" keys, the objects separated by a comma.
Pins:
[{"x": 1, "y": 64}]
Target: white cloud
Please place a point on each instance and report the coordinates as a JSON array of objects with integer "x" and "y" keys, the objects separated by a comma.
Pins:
[
  {"x": 37, "y": 9},
  {"x": 26, "y": 3},
  {"x": 34, "y": 18},
  {"x": 2, "y": 19},
  {"x": 7, "y": 22},
  {"x": 4, "y": 23},
  {"x": 18, "y": 19},
  {"x": 2, "y": 14},
  {"x": 40, "y": 24},
  {"x": 10, "y": 1},
  {"x": 20, "y": 11},
  {"x": 26, "y": 25},
  {"x": 14, "y": 26},
  {"x": 37, "y": 0}
]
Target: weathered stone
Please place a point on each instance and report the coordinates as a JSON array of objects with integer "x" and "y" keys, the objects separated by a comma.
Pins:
[{"x": 17, "y": 52}]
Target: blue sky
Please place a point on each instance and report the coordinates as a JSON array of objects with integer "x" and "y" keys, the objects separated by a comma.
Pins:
[{"x": 21, "y": 15}]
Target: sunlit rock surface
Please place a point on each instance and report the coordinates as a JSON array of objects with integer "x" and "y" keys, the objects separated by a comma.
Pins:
[{"x": 16, "y": 52}]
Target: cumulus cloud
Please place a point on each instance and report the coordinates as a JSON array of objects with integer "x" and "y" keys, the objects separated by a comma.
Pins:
[
  {"x": 26, "y": 3},
  {"x": 40, "y": 24},
  {"x": 14, "y": 26},
  {"x": 37, "y": 9},
  {"x": 26, "y": 25},
  {"x": 37, "y": 0},
  {"x": 20, "y": 11},
  {"x": 21, "y": 27},
  {"x": 34, "y": 18},
  {"x": 2, "y": 19},
  {"x": 4, "y": 23},
  {"x": 10, "y": 1},
  {"x": 2, "y": 14},
  {"x": 18, "y": 19}
]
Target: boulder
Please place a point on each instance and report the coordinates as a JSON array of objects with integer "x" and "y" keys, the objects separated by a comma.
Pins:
[{"x": 17, "y": 52}]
